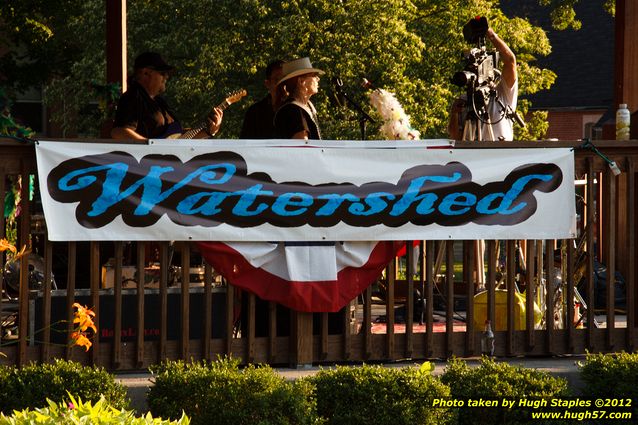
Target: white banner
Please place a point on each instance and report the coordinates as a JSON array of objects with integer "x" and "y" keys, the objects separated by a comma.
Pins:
[{"x": 282, "y": 190}]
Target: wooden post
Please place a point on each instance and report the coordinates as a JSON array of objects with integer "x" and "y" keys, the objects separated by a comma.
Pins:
[
  {"x": 626, "y": 55},
  {"x": 391, "y": 272},
  {"x": 301, "y": 339},
  {"x": 609, "y": 247},
  {"x": 323, "y": 351},
  {"x": 367, "y": 323},
  {"x": 631, "y": 253},
  {"x": 139, "y": 360},
  {"x": 95, "y": 276},
  {"x": 510, "y": 266},
  {"x": 117, "y": 305},
  {"x": 115, "y": 49},
  {"x": 428, "y": 264},
  {"x": 207, "y": 325},
  {"x": 449, "y": 299},
  {"x": 116, "y": 42},
  {"x": 46, "y": 299},
  {"x": 469, "y": 267},
  {"x": 70, "y": 295},
  {"x": 590, "y": 257},
  {"x": 250, "y": 338},
  {"x": 165, "y": 259},
  {"x": 530, "y": 291},
  {"x": 272, "y": 333},
  {"x": 185, "y": 301},
  {"x": 23, "y": 240},
  {"x": 409, "y": 307},
  {"x": 230, "y": 317},
  {"x": 549, "y": 295}
]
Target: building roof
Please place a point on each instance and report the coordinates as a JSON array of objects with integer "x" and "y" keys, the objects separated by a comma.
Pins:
[{"x": 583, "y": 60}]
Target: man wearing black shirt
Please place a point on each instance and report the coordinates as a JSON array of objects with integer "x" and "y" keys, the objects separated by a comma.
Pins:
[
  {"x": 143, "y": 114},
  {"x": 258, "y": 121}
]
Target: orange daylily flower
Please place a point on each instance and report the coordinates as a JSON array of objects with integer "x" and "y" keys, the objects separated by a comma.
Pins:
[
  {"x": 81, "y": 340},
  {"x": 6, "y": 245},
  {"x": 22, "y": 252},
  {"x": 84, "y": 318}
]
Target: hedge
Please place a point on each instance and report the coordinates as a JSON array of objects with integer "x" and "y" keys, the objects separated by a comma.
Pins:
[
  {"x": 221, "y": 393},
  {"x": 31, "y": 385},
  {"x": 379, "y": 395},
  {"x": 612, "y": 376},
  {"x": 498, "y": 380}
]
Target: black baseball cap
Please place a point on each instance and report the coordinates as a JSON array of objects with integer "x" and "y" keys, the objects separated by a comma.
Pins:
[{"x": 152, "y": 60}]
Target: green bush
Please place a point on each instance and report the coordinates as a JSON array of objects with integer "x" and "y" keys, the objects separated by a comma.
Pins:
[
  {"x": 492, "y": 380},
  {"x": 32, "y": 385},
  {"x": 610, "y": 376},
  {"x": 377, "y": 395},
  {"x": 78, "y": 412},
  {"x": 221, "y": 393}
]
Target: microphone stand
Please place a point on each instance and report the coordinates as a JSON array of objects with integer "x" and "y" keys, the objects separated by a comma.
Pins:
[{"x": 363, "y": 116}]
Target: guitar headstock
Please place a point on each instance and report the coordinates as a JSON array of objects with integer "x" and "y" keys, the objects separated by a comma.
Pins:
[{"x": 236, "y": 96}]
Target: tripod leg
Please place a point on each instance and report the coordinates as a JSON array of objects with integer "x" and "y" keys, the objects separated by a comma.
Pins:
[
  {"x": 490, "y": 133},
  {"x": 468, "y": 130}
]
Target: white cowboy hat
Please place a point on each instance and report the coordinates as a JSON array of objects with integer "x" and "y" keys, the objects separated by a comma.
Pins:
[{"x": 297, "y": 67}]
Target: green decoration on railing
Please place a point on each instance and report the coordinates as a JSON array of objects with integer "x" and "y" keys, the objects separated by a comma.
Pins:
[
  {"x": 108, "y": 95},
  {"x": 8, "y": 126}
]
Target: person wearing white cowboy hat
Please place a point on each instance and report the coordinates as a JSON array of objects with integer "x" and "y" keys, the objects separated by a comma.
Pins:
[{"x": 296, "y": 117}]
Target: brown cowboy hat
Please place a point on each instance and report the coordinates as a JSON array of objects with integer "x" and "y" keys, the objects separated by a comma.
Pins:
[{"x": 297, "y": 67}]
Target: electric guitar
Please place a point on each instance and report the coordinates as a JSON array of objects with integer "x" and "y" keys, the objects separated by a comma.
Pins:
[{"x": 174, "y": 130}]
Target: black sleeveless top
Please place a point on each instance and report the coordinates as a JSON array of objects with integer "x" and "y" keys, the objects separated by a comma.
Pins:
[{"x": 293, "y": 117}]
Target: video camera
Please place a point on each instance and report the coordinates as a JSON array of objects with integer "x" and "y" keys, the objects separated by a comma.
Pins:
[{"x": 479, "y": 72}]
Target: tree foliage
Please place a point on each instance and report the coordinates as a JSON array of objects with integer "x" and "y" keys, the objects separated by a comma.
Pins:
[
  {"x": 35, "y": 43},
  {"x": 564, "y": 16},
  {"x": 409, "y": 47}
]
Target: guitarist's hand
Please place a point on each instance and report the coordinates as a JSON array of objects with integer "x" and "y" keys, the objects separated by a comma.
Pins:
[{"x": 215, "y": 121}]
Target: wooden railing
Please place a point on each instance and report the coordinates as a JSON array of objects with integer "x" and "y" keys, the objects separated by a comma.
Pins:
[{"x": 166, "y": 313}]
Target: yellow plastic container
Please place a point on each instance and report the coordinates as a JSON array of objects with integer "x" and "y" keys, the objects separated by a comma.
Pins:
[{"x": 500, "y": 300}]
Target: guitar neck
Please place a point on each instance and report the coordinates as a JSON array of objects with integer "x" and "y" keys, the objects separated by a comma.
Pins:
[
  {"x": 196, "y": 130},
  {"x": 225, "y": 104}
]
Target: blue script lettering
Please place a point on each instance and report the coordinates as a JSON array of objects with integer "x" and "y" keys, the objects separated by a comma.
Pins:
[
  {"x": 216, "y": 188},
  {"x": 210, "y": 205},
  {"x": 287, "y": 199},
  {"x": 426, "y": 200},
  {"x": 334, "y": 201},
  {"x": 463, "y": 199},
  {"x": 151, "y": 184},
  {"x": 375, "y": 203},
  {"x": 246, "y": 200},
  {"x": 483, "y": 206}
]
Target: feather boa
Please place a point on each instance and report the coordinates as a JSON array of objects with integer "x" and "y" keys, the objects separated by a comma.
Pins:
[{"x": 396, "y": 124}]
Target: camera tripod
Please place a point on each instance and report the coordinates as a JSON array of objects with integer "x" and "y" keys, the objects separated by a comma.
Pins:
[
  {"x": 473, "y": 132},
  {"x": 477, "y": 115}
]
